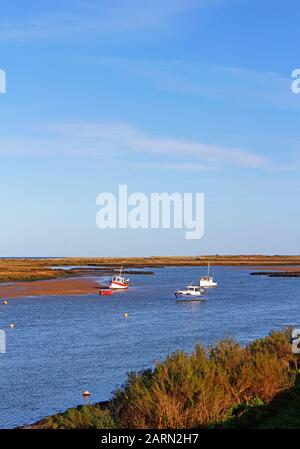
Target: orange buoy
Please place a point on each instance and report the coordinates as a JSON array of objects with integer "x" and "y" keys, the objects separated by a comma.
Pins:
[{"x": 86, "y": 394}]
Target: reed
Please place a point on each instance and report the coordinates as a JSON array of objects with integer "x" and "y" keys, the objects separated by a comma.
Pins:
[{"x": 26, "y": 269}]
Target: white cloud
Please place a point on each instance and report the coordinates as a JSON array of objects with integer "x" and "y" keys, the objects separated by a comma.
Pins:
[
  {"x": 90, "y": 16},
  {"x": 193, "y": 167},
  {"x": 119, "y": 140},
  {"x": 239, "y": 86},
  {"x": 122, "y": 137}
]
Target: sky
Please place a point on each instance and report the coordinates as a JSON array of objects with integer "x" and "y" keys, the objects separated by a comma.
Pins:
[{"x": 161, "y": 95}]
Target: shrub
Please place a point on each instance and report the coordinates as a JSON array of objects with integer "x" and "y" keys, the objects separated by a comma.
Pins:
[
  {"x": 205, "y": 388},
  {"x": 82, "y": 417}
]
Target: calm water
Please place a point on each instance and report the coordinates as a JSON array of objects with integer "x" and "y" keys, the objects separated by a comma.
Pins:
[{"x": 64, "y": 345}]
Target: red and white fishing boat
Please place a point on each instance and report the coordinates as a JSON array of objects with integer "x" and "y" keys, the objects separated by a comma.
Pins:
[{"x": 119, "y": 281}]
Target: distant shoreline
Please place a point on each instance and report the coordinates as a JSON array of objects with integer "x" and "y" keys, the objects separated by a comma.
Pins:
[{"x": 27, "y": 269}]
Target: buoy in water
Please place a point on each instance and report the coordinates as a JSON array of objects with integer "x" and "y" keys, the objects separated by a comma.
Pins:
[
  {"x": 126, "y": 315},
  {"x": 86, "y": 394},
  {"x": 5, "y": 303},
  {"x": 11, "y": 325}
]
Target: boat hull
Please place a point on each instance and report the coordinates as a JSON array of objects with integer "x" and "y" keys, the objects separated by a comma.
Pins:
[
  {"x": 180, "y": 297},
  {"x": 105, "y": 292},
  {"x": 118, "y": 285},
  {"x": 207, "y": 284}
]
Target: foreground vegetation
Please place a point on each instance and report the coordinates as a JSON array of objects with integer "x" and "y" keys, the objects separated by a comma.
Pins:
[
  {"x": 25, "y": 269},
  {"x": 226, "y": 386}
]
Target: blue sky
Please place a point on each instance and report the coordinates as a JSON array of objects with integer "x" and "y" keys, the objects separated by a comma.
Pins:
[{"x": 172, "y": 95}]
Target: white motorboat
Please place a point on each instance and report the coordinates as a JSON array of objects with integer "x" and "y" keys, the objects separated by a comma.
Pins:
[
  {"x": 119, "y": 281},
  {"x": 207, "y": 281},
  {"x": 190, "y": 293}
]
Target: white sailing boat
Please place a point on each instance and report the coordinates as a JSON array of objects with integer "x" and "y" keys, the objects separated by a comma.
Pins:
[{"x": 207, "y": 281}]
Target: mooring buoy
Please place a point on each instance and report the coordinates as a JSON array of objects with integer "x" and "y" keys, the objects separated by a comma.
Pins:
[{"x": 86, "y": 394}]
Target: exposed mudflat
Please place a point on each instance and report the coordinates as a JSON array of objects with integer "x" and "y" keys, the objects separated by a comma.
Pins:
[{"x": 71, "y": 286}]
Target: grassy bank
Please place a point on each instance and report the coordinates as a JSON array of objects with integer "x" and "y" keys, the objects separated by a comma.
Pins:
[
  {"x": 39, "y": 269},
  {"x": 226, "y": 386}
]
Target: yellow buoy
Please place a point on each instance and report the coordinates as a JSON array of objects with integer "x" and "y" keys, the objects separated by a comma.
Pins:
[
  {"x": 5, "y": 303},
  {"x": 126, "y": 315}
]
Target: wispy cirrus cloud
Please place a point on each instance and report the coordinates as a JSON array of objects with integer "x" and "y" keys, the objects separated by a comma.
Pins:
[
  {"x": 237, "y": 85},
  {"x": 93, "y": 17},
  {"x": 120, "y": 140},
  {"x": 181, "y": 166}
]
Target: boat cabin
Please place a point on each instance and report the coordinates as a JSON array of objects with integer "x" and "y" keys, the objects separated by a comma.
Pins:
[
  {"x": 120, "y": 279},
  {"x": 193, "y": 288}
]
